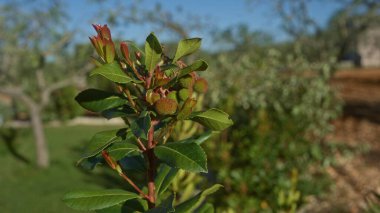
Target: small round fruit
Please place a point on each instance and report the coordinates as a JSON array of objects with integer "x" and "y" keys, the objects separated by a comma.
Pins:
[
  {"x": 172, "y": 95},
  {"x": 187, "y": 81},
  {"x": 200, "y": 85},
  {"x": 183, "y": 94},
  {"x": 166, "y": 106}
]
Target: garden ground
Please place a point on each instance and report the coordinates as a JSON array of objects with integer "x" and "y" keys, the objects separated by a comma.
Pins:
[{"x": 356, "y": 174}]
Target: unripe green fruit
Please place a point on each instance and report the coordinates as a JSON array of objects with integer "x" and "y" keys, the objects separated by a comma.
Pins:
[
  {"x": 186, "y": 82},
  {"x": 172, "y": 95},
  {"x": 183, "y": 94},
  {"x": 155, "y": 97},
  {"x": 200, "y": 85},
  {"x": 166, "y": 106}
]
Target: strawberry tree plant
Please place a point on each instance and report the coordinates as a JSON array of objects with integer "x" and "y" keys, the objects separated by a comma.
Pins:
[{"x": 153, "y": 92}]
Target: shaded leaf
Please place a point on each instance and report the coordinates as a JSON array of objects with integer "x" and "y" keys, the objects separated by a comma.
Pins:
[
  {"x": 112, "y": 72},
  {"x": 140, "y": 127},
  {"x": 97, "y": 100},
  {"x": 214, "y": 119},
  {"x": 186, "y": 156},
  {"x": 121, "y": 111},
  {"x": 187, "y": 47},
  {"x": 166, "y": 206},
  {"x": 133, "y": 163},
  {"x": 99, "y": 199},
  {"x": 164, "y": 177}
]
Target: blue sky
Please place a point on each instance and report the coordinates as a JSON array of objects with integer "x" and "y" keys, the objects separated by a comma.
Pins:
[{"x": 218, "y": 14}]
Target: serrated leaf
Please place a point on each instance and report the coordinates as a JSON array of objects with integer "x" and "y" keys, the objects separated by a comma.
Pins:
[
  {"x": 194, "y": 202},
  {"x": 198, "y": 65},
  {"x": 187, "y": 47},
  {"x": 99, "y": 199},
  {"x": 101, "y": 140},
  {"x": 98, "y": 100},
  {"x": 119, "y": 150},
  {"x": 164, "y": 177},
  {"x": 112, "y": 72},
  {"x": 140, "y": 127},
  {"x": 214, "y": 119},
  {"x": 166, "y": 206},
  {"x": 153, "y": 52},
  {"x": 186, "y": 156}
]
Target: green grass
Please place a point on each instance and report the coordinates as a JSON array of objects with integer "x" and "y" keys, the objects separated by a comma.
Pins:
[{"x": 25, "y": 188}]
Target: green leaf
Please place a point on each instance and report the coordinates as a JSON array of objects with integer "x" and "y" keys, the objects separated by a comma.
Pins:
[
  {"x": 206, "y": 208},
  {"x": 169, "y": 69},
  {"x": 97, "y": 100},
  {"x": 187, "y": 47},
  {"x": 100, "y": 199},
  {"x": 135, "y": 163},
  {"x": 102, "y": 140},
  {"x": 121, "y": 111},
  {"x": 194, "y": 202},
  {"x": 187, "y": 156},
  {"x": 214, "y": 119},
  {"x": 200, "y": 139},
  {"x": 119, "y": 150},
  {"x": 164, "y": 177},
  {"x": 198, "y": 65},
  {"x": 166, "y": 206},
  {"x": 153, "y": 52},
  {"x": 140, "y": 127},
  {"x": 112, "y": 72}
]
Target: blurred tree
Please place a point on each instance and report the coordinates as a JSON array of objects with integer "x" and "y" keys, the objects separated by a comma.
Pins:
[
  {"x": 339, "y": 37},
  {"x": 35, "y": 61}
]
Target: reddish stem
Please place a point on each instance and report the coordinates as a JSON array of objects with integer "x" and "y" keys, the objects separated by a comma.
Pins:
[
  {"x": 152, "y": 166},
  {"x": 115, "y": 166}
]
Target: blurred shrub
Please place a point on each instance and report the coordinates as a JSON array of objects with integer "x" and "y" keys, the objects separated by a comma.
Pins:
[
  {"x": 63, "y": 106},
  {"x": 273, "y": 157}
]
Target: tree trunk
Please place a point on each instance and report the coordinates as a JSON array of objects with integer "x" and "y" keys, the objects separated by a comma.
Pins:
[{"x": 42, "y": 153}]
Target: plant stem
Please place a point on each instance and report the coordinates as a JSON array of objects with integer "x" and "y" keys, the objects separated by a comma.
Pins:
[
  {"x": 151, "y": 168},
  {"x": 115, "y": 166}
]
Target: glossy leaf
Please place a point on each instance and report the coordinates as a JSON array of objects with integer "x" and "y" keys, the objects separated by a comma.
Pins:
[
  {"x": 141, "y": 126},
  {"x": 194, "y": 202},
  {"x": 198, "y": 65},
  {"x": 100, "y": 199},
  {"x": 119, "y": 150},
  {"x": 186, "y": 156},
  {"x": 112, "y": 72},
  {"x": 164, "y": 177},
  {"x": 214, "y": 119},
  {"x": 101, "y": 140},
  {"x": 153, "y": 52},
  {"x": 98, "y": 100},
  {"x": 187, "y": 47}
]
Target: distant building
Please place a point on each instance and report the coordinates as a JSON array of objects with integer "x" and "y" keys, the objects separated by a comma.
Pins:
[{"x": 369, "y": 48}]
